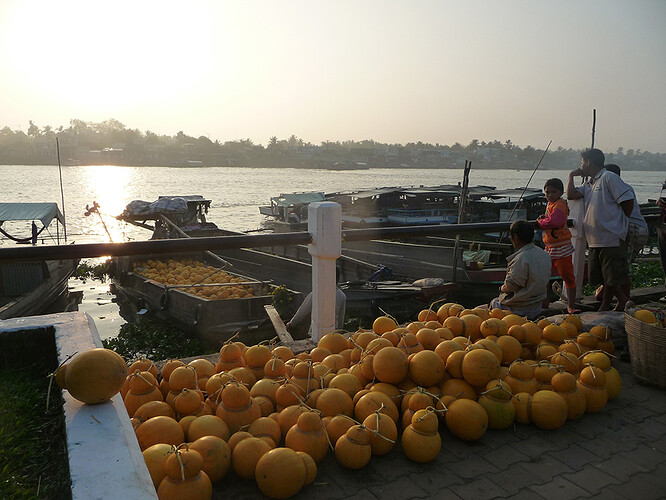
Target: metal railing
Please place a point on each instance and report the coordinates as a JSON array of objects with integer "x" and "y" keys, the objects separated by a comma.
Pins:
[{"x": 90, "y": 250}]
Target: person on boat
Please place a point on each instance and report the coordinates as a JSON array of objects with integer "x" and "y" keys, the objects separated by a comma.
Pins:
[
  {"x": 609, "y": 202},
  {"x": 557, "y": 239},
  {"x": 528, "y": 272},
  {"x": 637, "y": 236},
  {"x": 35, "y": 234},
  {"x": 661, "y": 230},
  {"x": 304, "y": 312}
]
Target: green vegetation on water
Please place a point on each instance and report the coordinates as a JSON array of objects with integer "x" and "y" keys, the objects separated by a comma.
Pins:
[
  {"x": 33, "y": 448},
  {"x": 86, "y": 271},
  {"x": 155, "y": 340}
]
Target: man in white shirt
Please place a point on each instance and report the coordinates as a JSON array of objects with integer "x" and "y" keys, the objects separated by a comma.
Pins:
[{"x": 609, "y": 202}]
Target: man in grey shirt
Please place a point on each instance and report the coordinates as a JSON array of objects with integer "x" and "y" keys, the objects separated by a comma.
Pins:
[{"x": 527, "y": 274}]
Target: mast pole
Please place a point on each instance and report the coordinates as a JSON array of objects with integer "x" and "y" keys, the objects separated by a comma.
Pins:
[
  {"x": 462, "y": 205},
  {"x": 62, "y": 193}
]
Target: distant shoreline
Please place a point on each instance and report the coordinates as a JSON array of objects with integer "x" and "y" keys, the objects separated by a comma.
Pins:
[{"x": 311, "y": 167}]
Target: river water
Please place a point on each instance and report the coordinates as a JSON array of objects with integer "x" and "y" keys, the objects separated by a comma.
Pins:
[{"x": 236, "y": 194}]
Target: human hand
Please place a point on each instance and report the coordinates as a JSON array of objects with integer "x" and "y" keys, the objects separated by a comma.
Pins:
[{"x": 576, "y": 173}]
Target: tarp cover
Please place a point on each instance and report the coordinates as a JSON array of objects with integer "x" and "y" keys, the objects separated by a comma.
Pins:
[
  {"x": 44, "y": 212},
  {"x": 164, "y": 205}
]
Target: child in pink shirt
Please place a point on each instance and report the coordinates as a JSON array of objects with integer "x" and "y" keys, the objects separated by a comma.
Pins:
[{"x": 557, "y": 238}]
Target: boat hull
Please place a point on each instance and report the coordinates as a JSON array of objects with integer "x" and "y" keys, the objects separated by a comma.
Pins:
[
  {"x": 212, "y": 321},
  {"x": 39, "y": 298}
]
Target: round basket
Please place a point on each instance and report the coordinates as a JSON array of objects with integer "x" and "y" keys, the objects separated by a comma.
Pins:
[{"x": 647, "y": 348}]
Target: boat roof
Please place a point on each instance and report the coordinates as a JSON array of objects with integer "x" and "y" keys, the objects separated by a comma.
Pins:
[
  {"x": 286, "y": 200},
  {"x": 44, "y": 212},
  {"x": 508, "y": 195},
  {"x": 442, "y": 189}
]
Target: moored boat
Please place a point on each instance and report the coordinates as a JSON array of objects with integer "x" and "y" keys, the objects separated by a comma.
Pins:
[
  {"x": 408, "y": 205},
  {"x": 31, "y": 288},
  {"x": 198, "y": 295}
]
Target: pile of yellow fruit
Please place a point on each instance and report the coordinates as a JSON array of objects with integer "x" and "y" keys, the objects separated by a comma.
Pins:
[
  {"x": 194, "y": 272},
  {"x": 272, "y": 415}
]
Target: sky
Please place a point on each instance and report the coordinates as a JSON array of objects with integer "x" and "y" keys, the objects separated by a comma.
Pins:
[{"x": 437, "y": 71}]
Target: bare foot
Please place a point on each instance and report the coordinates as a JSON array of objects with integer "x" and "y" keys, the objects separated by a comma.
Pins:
[{"x": 598, "y": 293}]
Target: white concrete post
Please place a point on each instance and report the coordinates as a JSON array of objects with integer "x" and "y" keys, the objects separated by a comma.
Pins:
[
  {"x": 577, "y": 213},
  {"x": 325, "y": 226}
]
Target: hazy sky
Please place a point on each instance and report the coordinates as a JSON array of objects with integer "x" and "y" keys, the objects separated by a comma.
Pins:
[{"x": 394, "y": 71}]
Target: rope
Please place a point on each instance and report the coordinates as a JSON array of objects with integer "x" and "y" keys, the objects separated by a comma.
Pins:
[{"x": 20, "y": 240}]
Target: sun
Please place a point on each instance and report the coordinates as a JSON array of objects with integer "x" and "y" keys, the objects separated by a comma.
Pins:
[{"x": 105, "y": 56}]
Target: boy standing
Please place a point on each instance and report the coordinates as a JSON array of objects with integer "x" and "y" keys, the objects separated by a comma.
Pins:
[{"x": 557, "y": 238}]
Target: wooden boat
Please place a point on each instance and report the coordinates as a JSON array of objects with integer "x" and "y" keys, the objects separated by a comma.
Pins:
[
  {"x": 186, "y": 212},
  {"x": 291, "y": 269},
  {"x": 31, "y": 288},
  {"x": 288, "y": 212},
  {"x": 348, "y": 165},
  {"x": 211, "y": 319},
  {"x": 411, "y": 205}
]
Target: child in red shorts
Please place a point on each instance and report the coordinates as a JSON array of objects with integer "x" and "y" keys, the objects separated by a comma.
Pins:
[{"x": 557, "y": 238}]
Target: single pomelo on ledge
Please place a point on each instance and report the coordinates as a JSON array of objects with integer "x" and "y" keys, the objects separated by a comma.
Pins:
[{"x": 93, "y": 376}]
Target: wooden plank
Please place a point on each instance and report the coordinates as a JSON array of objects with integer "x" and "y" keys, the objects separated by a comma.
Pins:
[
  {"x": 185, "y": 235},
  {"x": 278, "y": 324}
]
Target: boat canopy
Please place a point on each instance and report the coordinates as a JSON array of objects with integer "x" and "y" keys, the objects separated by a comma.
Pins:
[
  {"x": 446, "y": 190},
  {"x": 287, "y": 200},
  {"x": 44, "y": 212}
]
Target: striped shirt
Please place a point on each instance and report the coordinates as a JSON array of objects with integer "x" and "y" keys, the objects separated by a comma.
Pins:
[{"x": 556, "y": 234}]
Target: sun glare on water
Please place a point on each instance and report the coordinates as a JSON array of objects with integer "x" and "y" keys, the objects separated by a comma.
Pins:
[{"x": 109, "y": 187}]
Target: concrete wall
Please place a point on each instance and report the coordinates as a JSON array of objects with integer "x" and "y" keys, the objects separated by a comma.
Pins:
[{"x": 105, "y": 460}]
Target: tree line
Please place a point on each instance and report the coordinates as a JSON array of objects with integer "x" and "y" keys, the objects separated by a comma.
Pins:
[{"x": 112, "y": 143}]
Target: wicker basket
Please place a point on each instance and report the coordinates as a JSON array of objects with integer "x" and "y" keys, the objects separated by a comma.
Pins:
[{"x": 647, "y": 348}]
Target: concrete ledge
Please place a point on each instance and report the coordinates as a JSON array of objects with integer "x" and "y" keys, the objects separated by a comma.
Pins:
[{"x": 105, "y": 460}]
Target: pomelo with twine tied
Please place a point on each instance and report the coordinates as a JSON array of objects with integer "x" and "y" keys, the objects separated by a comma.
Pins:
[{"x": 93, "y": 376}]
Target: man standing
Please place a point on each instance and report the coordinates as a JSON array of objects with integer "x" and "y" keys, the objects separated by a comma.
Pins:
[
  {"x": 661, "y": 229},
  {"x": 609, "y": 202}
]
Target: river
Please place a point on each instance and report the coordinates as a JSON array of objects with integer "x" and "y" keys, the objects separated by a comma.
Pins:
[{"x": 236, "y": 194}]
